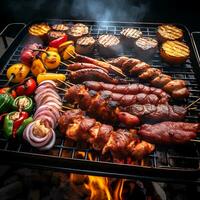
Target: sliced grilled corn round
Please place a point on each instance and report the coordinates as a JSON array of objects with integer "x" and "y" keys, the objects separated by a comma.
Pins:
[
  {"x": 169, "y": 32},
  {"x": 174, "y": 52},
  {"x": 39, "y": 29}
]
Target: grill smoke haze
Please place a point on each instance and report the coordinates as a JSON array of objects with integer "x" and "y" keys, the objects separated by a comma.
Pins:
[{"x": 109, "y": 11}]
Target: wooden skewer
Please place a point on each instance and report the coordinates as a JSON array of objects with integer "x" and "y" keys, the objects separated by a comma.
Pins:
[
  {"x": 193, "y": 140},
  {"x": 71, "y": 61},
  {"x": 65, "y": 64},
  {"x": 67, "y": 107},
  {"x": 193, "y": 108},
  {"x": 70, "y": 83},
  {"x": 61, "y": 89},
  {"x": 71, "y": 54},
  {"x": 192, "y": 103}
]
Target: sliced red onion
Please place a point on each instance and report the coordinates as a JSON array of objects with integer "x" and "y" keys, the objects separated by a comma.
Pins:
[
  {"x": 52, "y": 108},
  {"x": 44, "y": 86},
  {"x": 40, "y": 101},
  {"x": 50, "y": 121},
  {"x": 53, "y": 104},
  {"x": 45, "y": 113},
  {"x": 51, "y": 143},
  {"x": 38, "y": 98},
  {"x": 48, "y": 81},
  {"x": 47, "y": 91}
]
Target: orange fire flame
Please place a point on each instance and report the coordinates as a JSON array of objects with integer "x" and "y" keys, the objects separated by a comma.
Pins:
[{"x": 119, "y": 189}]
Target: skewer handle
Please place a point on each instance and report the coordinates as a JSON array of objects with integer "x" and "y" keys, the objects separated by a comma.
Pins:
[{"x": 10, "y": 79}]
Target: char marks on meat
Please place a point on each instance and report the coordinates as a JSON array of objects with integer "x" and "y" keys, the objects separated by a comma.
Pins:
[{"x": 169, "y": 132}]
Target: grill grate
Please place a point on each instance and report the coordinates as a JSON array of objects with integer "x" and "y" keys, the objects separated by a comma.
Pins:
[{"x": 164, "y": 164}]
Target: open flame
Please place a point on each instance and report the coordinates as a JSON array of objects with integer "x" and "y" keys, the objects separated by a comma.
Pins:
[{"x": 119, "y": 189}]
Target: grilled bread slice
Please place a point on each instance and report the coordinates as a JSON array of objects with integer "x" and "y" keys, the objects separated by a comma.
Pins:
[
  {"x": 109, "y": 45},
  {"x": 174, "y": 52},
  {"x": 128, "y": 36},
  {"x": 85, "y": 45},
  {"x": 60, "y": 27},
  {"x": 39, "y": 30},
  {"x": 169, "y": 32}
]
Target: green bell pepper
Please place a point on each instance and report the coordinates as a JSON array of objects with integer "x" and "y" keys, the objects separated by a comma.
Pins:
[
  {"x": 23, "y": 103},
  {"x": 6, "y": 101},
  {"x": 15, "y": 123}
]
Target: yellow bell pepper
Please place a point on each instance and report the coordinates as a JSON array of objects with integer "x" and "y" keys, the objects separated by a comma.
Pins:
[
  {"x": 69, "y": 52},
  {"x": 50, "y": 76},
  {"x": 64, "y": 45},
  {"x": 51, "y": 59},
  {"x": 17, "y": 72},
  {"x": 38, "y": 67},
  {"x": 51, "y": 49}
]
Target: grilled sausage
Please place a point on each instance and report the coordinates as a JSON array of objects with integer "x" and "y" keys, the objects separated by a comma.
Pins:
[
  {"x": 82, "y": 75},
  {"x": 77, "y": 66},
  {"x": 132, "y": 89}
]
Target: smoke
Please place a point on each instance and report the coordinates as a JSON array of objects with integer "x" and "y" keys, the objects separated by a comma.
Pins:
[{"x": 110, "y": 10}]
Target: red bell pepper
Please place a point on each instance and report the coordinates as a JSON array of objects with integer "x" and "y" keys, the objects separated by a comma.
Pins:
[
  {"x": 8, "y": 90},
  {"x": 57, "y": 42},
  {"x": 27, "y": 88}
]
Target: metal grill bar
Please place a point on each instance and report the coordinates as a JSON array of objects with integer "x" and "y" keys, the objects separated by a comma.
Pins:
[{"x": 160, "y": 165}]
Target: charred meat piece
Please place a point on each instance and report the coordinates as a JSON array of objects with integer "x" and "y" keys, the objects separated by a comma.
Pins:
[
  {"x": 68, "y": 118},
  {"x": 108, "y": 45},
  {"x": 132, "y": 89},
  {"x": 99, "y": 135},
  {"x": 139, "y": 150},
  {"x": 98, "y": 106},
  {"x": 85, "y": 45},
  {"x": 60, "y": 27},
  {"x": 102, "y": 137},
  {"x": 156, "y": 113},
  {"x": 145, "y": 48},
  {"x": 77, "y": 31},
  {"x": 118, "y": 61},
  {"x": 82, "y": 75},
  {"x": 118, "y": 142},
  {"x": 169, "y": 132},
  {"x": 129, "y": 36},
  {"x": 55, "y": 34}
]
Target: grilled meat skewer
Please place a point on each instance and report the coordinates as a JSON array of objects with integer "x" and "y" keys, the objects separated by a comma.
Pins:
[
  {"x": 169, "y": 132},
  {"x": 156, "y": 113},
  {"x": 99, "y": 106},
  {"x": 176, "y": 88},
  {"x": 132, "y": 89},
  {"x": 75, "y": 125}
]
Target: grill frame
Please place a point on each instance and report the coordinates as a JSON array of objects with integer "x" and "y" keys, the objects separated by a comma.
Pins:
[{"x": 33, "y": 158}]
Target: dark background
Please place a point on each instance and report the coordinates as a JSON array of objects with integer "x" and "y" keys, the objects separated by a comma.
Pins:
[{"x": 184, "y": 12}]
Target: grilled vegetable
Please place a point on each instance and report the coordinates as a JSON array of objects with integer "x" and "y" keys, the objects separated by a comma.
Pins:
[
  {"x": 64, "y": 45},
  {"x": 169, "y": 32},
  {"x": 50, "y": 76},
  {"x": 9, "y": 91},
  {"x": 15, "y": 123},
  {"x": 28, "y": 53},
  {"x": 51, "y": 59},
  {"x": 57, "y": 42},
  {"x": 174, "y": 52},
  {"x": 23, "y": 103},
  {"x": 38, "y": 67},
  {"x": 69, "y": 52},
  {"x": 28, "y": 88},
  {"x": 39, "y": 30},
  {"x": 17, "y": 72},
  {"x": 6, "y": 101}
]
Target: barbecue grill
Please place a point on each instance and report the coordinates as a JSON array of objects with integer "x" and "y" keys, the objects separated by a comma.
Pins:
[{"x": 174, "y": 163}]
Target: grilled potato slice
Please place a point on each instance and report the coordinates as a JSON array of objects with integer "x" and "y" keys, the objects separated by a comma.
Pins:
[
  {"x": 174, "y": 52},
  {"x": 39, "y": 30},
  {"x": 169, "y": 32}
]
